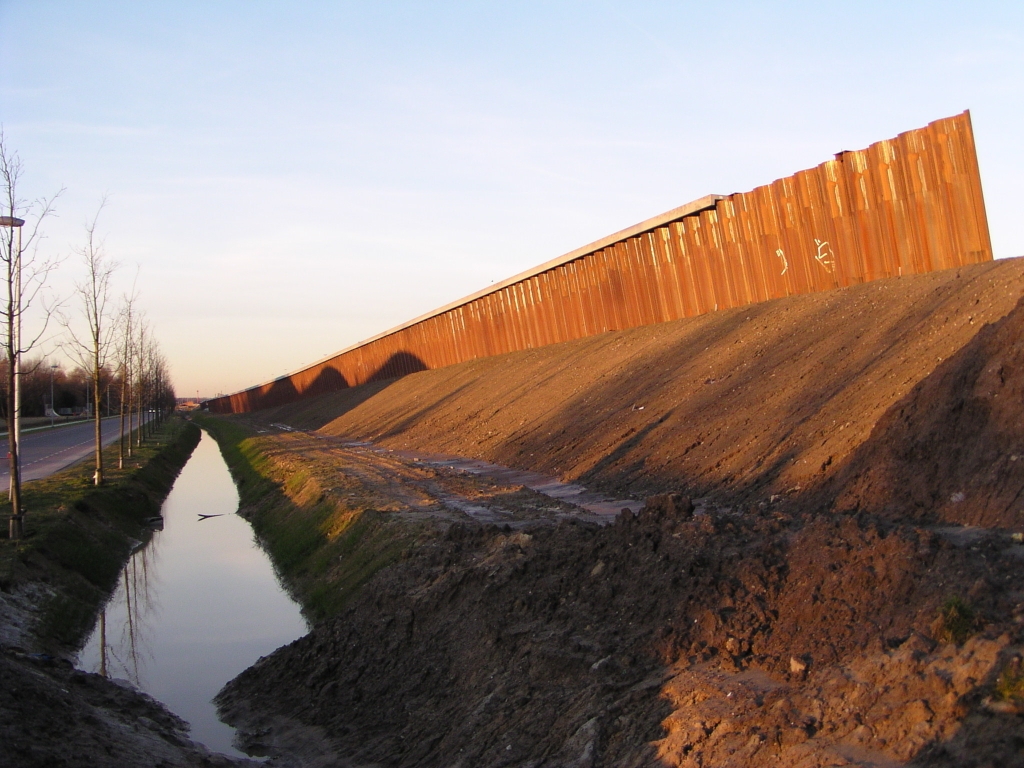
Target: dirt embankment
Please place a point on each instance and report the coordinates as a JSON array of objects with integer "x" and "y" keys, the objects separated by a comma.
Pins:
[
  {"x": 952, "y": 450},
  {"x": 745, "y": 403},
  {"x": 54, "y": 715},
  {"x": 772, "y": 627}
]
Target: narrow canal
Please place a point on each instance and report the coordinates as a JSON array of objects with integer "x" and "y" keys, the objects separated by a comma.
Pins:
[{"x": 195, "y": 606}]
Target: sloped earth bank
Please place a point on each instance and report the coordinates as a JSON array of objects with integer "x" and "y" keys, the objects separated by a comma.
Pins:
[
  {"x": 953, "y": 449},
  {"x": 839, "y": 444},
  {"x": 746, "y": 403},
  {"x": 57, "y": 716}
]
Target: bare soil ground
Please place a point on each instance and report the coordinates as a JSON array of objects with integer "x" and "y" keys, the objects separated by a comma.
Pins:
[
  {"x": 663, "y": 640},
  {"x": 418, "y": 486},
  {"x": 746, "y": 403},
  {"x": 952, "y": 450},
  {"x": 838, "y": 443}
]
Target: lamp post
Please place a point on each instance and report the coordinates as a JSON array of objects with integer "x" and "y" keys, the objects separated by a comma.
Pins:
[
  {"x": 14, "y": 357},
  {"x": 53, "y": 367}
]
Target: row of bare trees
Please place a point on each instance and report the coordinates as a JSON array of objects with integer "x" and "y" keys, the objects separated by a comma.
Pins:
[
  {"x": 46, "y": 387},
  {"x": 106, "y": 335},
  {"x": 114, "y": 332},
  {"x": 146, "y": 392}
]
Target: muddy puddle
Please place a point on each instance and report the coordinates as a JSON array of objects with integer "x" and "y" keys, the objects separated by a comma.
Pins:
[{"x": 196, "y": 605}]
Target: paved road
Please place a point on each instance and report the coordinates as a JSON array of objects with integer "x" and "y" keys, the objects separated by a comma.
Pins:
[{"x": 50, "y": 450}]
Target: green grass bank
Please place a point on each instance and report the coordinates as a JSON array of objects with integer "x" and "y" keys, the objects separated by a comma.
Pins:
[
  {"x": 323, "y": 545},
  {"x": 78, "y": 536}
]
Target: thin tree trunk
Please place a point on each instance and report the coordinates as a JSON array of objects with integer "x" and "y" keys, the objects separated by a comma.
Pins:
[
  {"x": 97, "y": 419},
  {"x": 138, "y": 406},
  {"x": 120, "y": 409},
  {"x": 131, "y": 402},
  {"x": 15, "y": 530}
]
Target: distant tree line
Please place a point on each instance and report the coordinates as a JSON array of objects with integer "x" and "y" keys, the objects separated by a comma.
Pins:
[{"x": 73, "y": 390}]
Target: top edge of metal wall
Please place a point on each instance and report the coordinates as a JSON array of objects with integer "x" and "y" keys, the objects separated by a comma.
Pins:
[{"x": 700, "y": 204}]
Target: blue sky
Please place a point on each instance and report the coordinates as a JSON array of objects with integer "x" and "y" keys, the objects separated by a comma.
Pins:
[{"x": 291, "y": 178}]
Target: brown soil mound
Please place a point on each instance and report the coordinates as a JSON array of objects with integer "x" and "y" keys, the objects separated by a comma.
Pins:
[
  {"x": 952, "y": 450},
  {"x": 757, "y": 401},
  {"x": 666, "y": 639}
]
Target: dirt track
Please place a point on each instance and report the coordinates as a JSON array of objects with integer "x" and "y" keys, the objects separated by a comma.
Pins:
[{"x": 837, "y": 440}]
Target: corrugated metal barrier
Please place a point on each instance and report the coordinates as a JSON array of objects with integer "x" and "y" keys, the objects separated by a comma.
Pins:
[{"x": 902, "y": 206}]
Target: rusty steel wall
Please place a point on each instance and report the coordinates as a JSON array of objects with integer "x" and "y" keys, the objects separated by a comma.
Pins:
[{"x": 902, "y": 206}]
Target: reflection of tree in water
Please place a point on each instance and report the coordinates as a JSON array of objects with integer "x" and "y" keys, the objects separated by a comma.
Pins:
[{"x": 125, "y": 651}]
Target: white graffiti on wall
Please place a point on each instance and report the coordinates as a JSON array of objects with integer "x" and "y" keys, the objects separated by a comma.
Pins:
[
  {"x": 825, "y": 256},
  {"x": 785, "y": 264}
]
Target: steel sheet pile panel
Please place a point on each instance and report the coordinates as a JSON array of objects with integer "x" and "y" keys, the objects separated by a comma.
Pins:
[{"x": 903, "y": 206}]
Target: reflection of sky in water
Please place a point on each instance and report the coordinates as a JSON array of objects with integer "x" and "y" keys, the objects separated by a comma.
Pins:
[{"x": 202, "y": 602}]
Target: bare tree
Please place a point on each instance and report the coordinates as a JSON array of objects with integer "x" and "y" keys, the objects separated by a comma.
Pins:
[
  {"x": 142, "y": 341},
  {"x": 93, "y": 350},
  {"x": 128, "y": 318},
  {"x": 162, "y": 391},
  {"x": 25, "y": 279},
  {"x": 154, "y": 393}
]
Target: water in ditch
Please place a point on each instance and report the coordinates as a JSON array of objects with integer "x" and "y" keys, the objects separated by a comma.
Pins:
[{"x": 195, "y": 606}]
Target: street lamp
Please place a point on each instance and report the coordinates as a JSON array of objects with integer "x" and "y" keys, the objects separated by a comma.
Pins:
[{"x": 14, "y": 341}]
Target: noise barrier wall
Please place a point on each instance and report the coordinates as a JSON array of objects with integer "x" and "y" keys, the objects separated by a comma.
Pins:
[{"x": 902, "y": 206}]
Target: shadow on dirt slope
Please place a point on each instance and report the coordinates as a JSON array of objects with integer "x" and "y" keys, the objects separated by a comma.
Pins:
[
  {"x": 952, "y": 450},
  {"x": 761, "y": 400}
]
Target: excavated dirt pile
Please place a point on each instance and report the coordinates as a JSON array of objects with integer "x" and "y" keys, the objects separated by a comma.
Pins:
[{"x": 746, "y": 638}]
